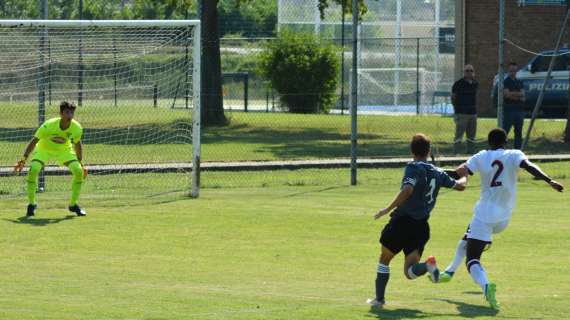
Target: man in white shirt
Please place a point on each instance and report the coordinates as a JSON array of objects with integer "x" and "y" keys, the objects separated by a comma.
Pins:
[{"x": 499, "y": 169}]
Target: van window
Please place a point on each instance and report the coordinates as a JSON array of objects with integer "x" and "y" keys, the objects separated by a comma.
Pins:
[{"x": 541, "y": 63}]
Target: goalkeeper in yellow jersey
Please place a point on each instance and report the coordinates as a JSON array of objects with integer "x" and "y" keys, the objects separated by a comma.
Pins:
[{"x": 60, "y": 139}]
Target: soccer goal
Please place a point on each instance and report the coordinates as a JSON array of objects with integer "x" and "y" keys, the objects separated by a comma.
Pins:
[
  {"x": 404, "y": 90},
  {"x": 137, "y": 88}
]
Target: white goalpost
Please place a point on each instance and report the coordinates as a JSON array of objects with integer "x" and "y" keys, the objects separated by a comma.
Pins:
[{"x": 137, "y": 87}]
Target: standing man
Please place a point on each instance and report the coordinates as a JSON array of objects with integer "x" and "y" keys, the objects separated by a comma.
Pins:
[
  {"x": 463, "y": 96},
  {"x": 513, "y": 104},
  {"x": 498, "y": 167},
  {"x": 408, "y": 228},
  {"x": 58, "y": 138}
]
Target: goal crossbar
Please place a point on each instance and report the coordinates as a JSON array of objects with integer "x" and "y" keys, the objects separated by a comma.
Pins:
[{"x": 101, "y": 23}]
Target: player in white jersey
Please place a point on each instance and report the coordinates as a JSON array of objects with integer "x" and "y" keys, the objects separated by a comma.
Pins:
[{"x": 498, "y": 168}]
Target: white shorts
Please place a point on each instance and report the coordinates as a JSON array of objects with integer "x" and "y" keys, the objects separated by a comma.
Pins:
[{"x": 484, "y": 231}]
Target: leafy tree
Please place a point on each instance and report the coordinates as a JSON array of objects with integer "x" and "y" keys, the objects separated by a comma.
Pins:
[{"x": 248, "y": 20}]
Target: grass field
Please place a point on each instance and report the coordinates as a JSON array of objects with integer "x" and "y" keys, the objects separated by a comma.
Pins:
[
  {"x": 303, "y": 246},
  {"x": 138, "y": 133}
]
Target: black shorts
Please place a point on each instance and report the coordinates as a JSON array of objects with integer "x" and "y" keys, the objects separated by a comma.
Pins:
[{"x": 405, "y": 233}]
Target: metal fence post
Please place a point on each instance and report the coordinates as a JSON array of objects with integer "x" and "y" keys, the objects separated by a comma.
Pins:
[
  {"x": 354, "y": 106},
  {"x": 80, "y": 59},
  {"x": 500, "y": 80},
  {"x": 41, "y": 82},
  {"x": 342, "y": 31},
  {"x": 417, "y": 75},
  {"x": 245, "y": 90}
]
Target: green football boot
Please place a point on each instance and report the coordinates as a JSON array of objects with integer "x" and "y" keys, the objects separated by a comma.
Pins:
[
  {"x": 445, "y": 277},
  {"x": 490, "y": 295}
]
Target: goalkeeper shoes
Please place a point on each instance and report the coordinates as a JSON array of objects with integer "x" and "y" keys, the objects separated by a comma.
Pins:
[
  {"x": 31, "y": 210},
  {"x": 77, "y": 210}
]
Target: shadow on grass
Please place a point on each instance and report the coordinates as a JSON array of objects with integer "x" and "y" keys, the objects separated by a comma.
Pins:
[
  {"x": 292, "y": 142},
  {"x": 467, "y": 310},
  {"x": 313, "y": 191},
  {"x": 402, "y": 313},
  {"x": 39, "y": 222}
]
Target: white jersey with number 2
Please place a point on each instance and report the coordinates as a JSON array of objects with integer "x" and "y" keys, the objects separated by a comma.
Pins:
[{"x": 499, "y": 171}]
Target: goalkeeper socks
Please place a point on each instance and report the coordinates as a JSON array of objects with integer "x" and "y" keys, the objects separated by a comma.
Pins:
[
  {"x": 417, "y": 270},
  {"x": 77, "y": 181},
  {"x": 478, "y": 273},
  {"x": 32, "y": 180},
  {"x": 459, "y": 256},
  {"x": 382, "y": 277}
]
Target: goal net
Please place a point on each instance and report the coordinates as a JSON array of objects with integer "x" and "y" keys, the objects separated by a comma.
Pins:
[
  {"x": 402, "y": 90},
  {"x": 136, "y": 85}
]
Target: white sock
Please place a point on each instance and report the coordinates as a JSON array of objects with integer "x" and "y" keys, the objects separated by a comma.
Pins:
[
  {"x": 459, "y": 256},
  {"x": 478, "y": 273},
  {"x": 411, "y": 273}
]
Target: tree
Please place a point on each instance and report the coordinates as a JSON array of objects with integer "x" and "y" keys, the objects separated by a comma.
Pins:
[{"x": 212, "y": 103}]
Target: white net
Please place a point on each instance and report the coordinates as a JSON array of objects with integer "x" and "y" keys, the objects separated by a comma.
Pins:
[
  {"x": 402, "y": 90},
  {"x": 135, "y": 85}
]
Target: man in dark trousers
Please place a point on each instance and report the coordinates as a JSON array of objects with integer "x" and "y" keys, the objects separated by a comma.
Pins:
[
  {"x": 463, "y": 98},
  {"x": 513, "y": 104}
]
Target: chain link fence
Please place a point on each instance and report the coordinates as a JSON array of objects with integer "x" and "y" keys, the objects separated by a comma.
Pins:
[{"x": 405, "y": 73}]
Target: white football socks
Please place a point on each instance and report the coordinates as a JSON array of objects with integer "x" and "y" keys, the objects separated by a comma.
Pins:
[
  {"x": 459, "y": 256},
  {"x": 478, "y": 273}
]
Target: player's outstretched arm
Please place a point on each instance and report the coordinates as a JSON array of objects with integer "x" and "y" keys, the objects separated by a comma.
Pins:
[
  {"x": 534, "y": 170},
  {"x": 402, "y": 196},
  {"x": 460, "y": 184},
  {"x": 452, "y": 173},
  {"x": 29, "y": 148},
  {"x": 462, "y": 172}
]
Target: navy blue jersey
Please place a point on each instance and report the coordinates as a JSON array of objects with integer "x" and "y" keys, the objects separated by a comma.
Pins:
[{"x": 426, "y": 179}]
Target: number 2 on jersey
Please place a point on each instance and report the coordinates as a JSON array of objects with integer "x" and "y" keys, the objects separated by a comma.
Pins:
[
  {"x": 431, "y": 190},
  {"x": 500, "y": 167}
]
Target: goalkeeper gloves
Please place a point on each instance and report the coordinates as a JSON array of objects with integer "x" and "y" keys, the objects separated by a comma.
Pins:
[
  {"x": 19, "y": 165},
  {"x": 84, "y": 170}
]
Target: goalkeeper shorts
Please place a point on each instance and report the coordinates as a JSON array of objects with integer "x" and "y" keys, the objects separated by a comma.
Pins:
[{"x": 62, "y": 157}]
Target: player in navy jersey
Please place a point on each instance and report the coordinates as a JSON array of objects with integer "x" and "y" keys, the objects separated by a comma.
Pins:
[{"x": 408, "y": 228}]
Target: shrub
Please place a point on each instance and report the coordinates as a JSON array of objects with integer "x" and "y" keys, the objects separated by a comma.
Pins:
[{"x": 303, "y": 70}]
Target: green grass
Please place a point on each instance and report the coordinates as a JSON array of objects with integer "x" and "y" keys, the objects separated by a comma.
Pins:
[{"x": 303, "y": 246}]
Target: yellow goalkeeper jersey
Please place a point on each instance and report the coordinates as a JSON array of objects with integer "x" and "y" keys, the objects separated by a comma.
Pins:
[{"x": 53, "y": 139}]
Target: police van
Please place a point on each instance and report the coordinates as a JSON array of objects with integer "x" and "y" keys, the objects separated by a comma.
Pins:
[{"x": 556, "y": 94}]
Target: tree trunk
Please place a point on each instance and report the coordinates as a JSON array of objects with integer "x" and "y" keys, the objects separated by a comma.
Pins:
[{"x": 212, "y": 103}]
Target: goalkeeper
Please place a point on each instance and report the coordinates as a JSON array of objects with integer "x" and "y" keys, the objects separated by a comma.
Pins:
[{"x": 58, "y": 138}]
